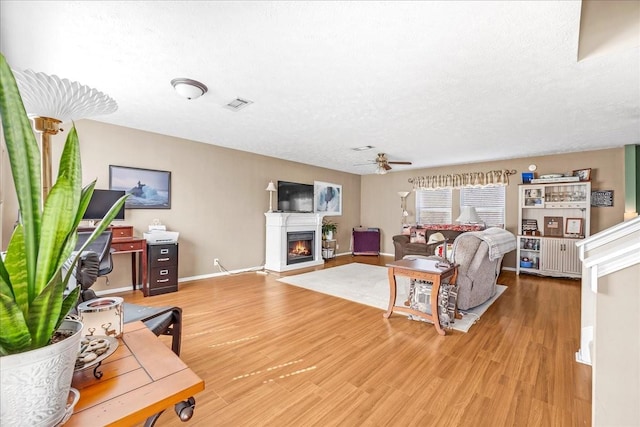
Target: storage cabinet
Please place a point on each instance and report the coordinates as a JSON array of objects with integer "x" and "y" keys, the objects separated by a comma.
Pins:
[
  {"x": 366, "y": 241},
  {"x": 560, "y": 256},
  {"x": 163, "y": 268},
  {"x": 552, "y": 218}
]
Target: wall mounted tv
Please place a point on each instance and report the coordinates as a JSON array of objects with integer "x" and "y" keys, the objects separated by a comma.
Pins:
[
  {"x": 100, "y": 203},
  {"x": 295, "y": 197}
]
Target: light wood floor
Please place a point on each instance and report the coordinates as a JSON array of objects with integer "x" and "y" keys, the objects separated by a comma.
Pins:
[{"x": 277, "y": 355}]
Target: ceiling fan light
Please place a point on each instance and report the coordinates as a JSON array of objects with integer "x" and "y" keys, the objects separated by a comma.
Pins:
[
  {"x": 380, "y": 170},
  {"x": 188, "y": 88}
]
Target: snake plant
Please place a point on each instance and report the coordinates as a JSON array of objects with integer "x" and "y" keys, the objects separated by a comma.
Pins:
[{"x": 32, "y": 279}]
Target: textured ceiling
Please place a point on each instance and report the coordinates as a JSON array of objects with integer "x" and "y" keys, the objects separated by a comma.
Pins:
[{"x": 434, "y": 83}]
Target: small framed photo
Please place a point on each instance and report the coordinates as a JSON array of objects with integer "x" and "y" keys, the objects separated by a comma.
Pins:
[
  {"x": 574, "y": 226},
  {"x": 583, "y": 174}
]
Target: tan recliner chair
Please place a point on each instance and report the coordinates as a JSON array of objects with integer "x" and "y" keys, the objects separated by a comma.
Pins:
[
  {"x": 479, "y": 256},
  {"x": 478, "y": 273}
]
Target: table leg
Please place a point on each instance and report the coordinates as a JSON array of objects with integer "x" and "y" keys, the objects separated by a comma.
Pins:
[
  {"x": 435, "y": 309},
  {"x": 134, "y": 279},
  {"x": 143, "y": 271},
  {"x": 392, "y": 293}
]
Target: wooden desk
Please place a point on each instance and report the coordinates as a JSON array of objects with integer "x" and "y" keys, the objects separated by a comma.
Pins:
[
  {"x": 420, "y": 269},
  {"x": 135, "y": 246},
  {"x": 142, "y": 378},
  {"x": 122, "y": 242}
]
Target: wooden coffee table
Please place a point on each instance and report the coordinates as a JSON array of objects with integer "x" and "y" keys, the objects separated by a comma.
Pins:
[
  {"x": 420, "y": 269},
  {"x": 142, "y": 378}
]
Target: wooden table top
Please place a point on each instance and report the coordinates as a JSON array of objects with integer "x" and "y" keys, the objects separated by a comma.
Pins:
[
  {"x": 141, "y": 378},
  {"x": 420, "y": 264}
]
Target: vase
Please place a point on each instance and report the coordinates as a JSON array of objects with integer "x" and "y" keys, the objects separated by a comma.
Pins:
[{"x": 35, "y": 384}]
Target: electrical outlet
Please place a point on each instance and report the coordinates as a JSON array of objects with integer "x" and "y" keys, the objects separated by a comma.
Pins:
[
  {"x": 216, "y": 261},
  {"x": 337, "y": 246}
]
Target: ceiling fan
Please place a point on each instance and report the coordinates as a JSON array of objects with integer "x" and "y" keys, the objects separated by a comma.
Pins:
[{"x": 383, "y": 164}]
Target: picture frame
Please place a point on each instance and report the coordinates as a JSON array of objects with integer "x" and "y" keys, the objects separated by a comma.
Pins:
[
  {"x": 327, "y": 198},
  {"x": 583, "y": 174},
  {"x": 553, "y": 226},
  {"x": 148, "y": 188},
  {"x": 574, "y": 226}
]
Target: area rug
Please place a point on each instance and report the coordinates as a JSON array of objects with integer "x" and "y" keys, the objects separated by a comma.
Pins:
[{"x": 369, "y": 285}]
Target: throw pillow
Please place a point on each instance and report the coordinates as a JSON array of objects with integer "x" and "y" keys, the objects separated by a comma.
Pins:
[{"x": 418, "y": 235}]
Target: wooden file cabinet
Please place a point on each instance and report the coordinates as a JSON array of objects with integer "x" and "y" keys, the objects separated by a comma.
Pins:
[{"x": 163, "y": 268}]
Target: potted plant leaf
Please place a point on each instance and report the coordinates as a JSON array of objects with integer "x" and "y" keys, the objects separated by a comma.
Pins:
[
  {"x": 33, "y": 282},
  {"x": 328, "y": 228}
]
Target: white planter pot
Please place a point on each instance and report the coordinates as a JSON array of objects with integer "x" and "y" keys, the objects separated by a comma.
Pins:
[{"x": 34, "y": 385}]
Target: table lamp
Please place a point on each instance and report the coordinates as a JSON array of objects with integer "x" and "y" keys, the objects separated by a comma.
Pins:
[
  {"x": 468, "y": 215},
  {"x": 271, "y": 188}
]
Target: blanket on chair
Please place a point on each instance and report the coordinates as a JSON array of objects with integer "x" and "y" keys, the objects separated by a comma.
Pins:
[{"x": 500, "y": 241}]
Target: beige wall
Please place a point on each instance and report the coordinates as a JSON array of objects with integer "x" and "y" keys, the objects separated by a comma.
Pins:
[
  {"x": 380, "y": 203},
  {"x": 218, "y": 195}
]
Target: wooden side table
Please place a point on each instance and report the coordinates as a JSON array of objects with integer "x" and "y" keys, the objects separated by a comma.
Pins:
[
  {"x": 141, "y": 379},
  {"x": 420, "y": 269}
]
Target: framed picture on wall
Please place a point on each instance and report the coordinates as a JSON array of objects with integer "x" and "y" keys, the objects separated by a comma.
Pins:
[
  {"x": 148, "y": 188},
  {"x": 327, "y": 198}
]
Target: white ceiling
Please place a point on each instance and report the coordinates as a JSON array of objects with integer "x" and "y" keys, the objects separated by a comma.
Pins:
[{"x": 432, "y": 82}]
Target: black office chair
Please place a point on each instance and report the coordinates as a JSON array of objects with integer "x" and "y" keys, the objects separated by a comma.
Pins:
[{"x": 94, "y": 261}]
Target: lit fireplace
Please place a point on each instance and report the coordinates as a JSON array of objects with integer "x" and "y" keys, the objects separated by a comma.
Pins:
[
  {"x": 284, "y": 231},
  {"x": 300, "y": 247}
]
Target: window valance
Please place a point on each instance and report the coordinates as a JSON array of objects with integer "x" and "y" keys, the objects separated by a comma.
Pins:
[{"x": 470, "y": 179}]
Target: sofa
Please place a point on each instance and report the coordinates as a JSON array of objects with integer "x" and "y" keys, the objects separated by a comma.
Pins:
[
  {"x": 479, "y": 258},
  {"x": 416, "y": 240}
]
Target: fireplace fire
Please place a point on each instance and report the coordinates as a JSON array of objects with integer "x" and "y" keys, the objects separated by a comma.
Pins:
[{"x": 300, "y": 247}]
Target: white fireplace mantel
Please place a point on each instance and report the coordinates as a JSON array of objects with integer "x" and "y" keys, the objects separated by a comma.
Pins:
[{"x": 281, "y": 223}]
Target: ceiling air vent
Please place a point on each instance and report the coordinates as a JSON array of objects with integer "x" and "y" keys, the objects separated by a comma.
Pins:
[{"x": 238, "y": 104}]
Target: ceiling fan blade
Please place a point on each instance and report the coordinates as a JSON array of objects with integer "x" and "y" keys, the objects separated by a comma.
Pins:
[
  {"x": 386, "y": 166},
  {"x": 400, "y": 163}
]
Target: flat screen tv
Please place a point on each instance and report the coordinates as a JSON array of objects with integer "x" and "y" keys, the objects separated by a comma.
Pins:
[
  {"x": 295, "y": 197},
  {"x": 100, "y": 203}
]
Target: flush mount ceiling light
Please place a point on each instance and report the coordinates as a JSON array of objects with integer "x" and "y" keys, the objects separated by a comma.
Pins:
[
  {"x": 363, "y": 148},
  {"x": 188, "y": 88}
]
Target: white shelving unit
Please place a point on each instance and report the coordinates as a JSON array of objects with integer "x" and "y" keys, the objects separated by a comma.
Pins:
[{"x": 562, "y": 214}]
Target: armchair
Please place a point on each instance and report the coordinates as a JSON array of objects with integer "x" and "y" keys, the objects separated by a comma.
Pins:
[
  {"x": 479, "y": 255},
  {"x": 479, "y": 258}
]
